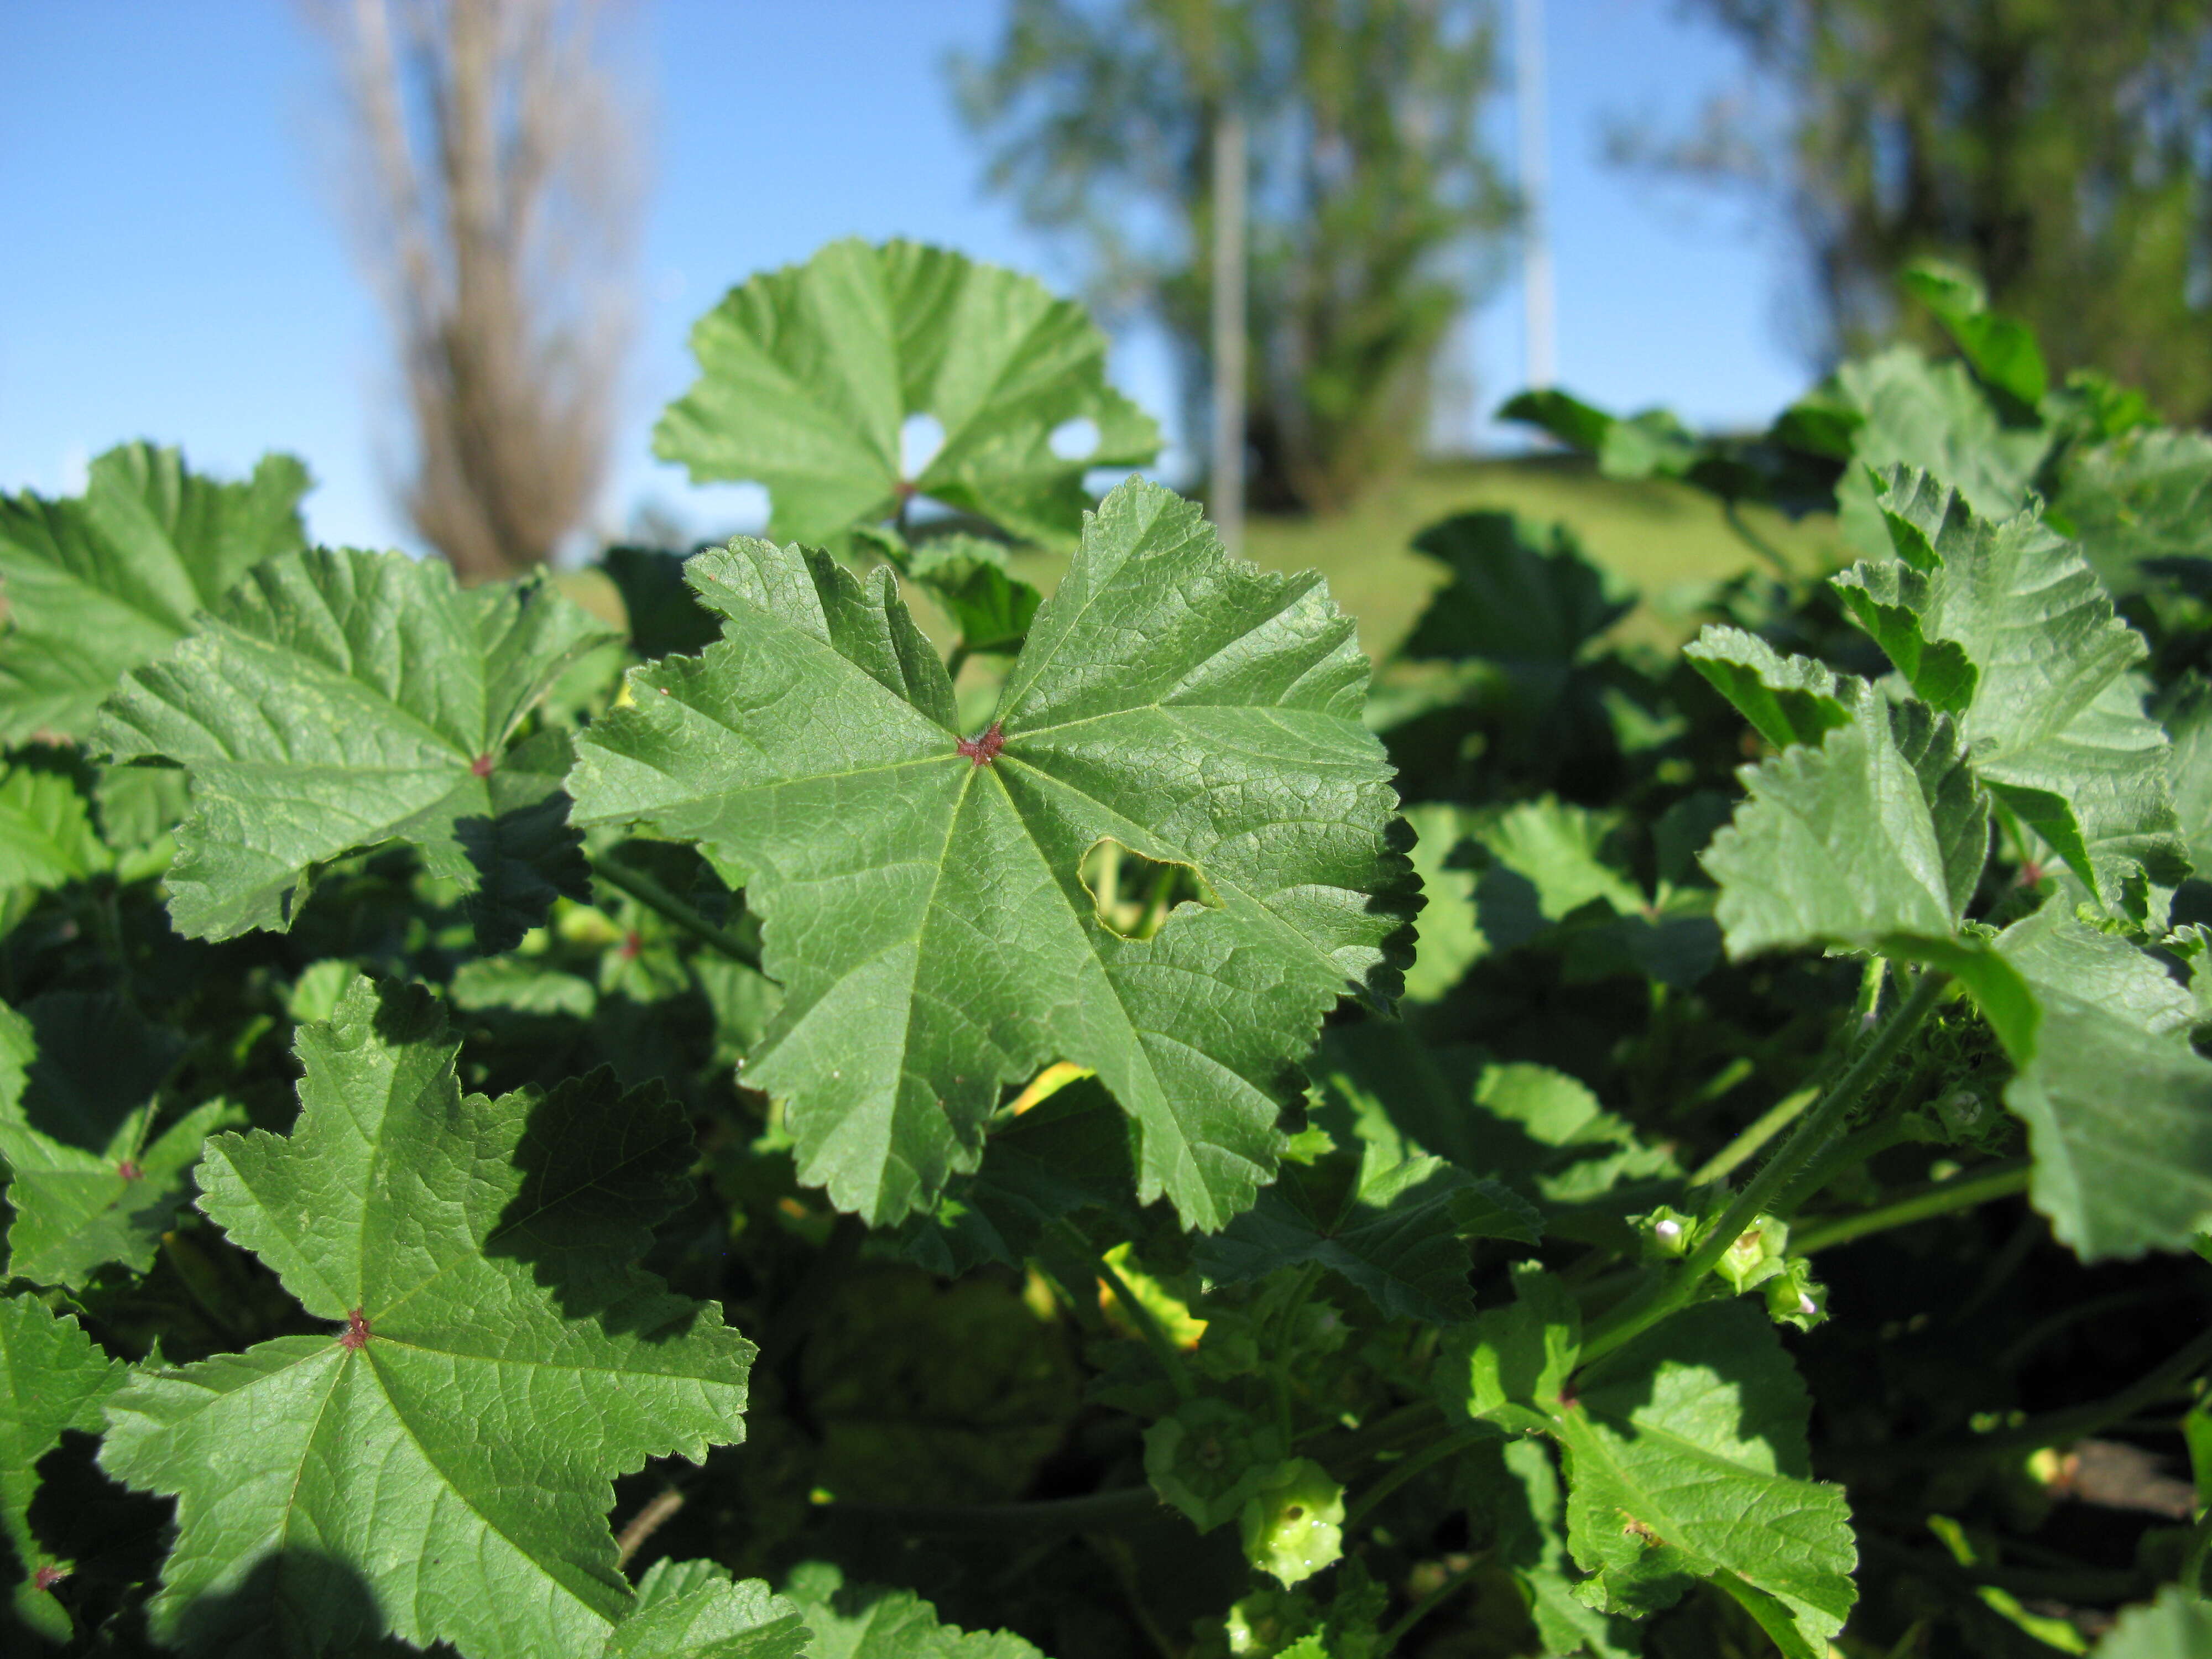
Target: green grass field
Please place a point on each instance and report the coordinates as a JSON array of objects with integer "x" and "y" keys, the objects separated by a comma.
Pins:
[{"x": 1666, "y": 541}]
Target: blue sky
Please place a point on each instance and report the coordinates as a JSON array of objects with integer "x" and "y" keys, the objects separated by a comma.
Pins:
[{"x": 176, "y": 269}]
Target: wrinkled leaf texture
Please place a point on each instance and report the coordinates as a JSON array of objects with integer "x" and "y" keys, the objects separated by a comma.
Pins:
[
  {"x": 924, "y": 910},
  {"x": 438, "y": 1467}
]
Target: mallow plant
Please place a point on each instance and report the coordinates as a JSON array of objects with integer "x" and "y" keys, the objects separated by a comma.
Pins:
[{"x": 966, "y": 1077}]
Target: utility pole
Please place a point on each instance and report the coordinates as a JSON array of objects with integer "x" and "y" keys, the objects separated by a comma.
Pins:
[
  {"x": 1225, "y": 496},
  {"x": 1538, "y": 361}
]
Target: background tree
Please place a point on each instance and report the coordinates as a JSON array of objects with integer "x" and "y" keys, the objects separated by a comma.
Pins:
[
  {"x": 2060, "y": 147},
  {"x": 1373, "y": 202},
  {"x": 495, "y": 169}
]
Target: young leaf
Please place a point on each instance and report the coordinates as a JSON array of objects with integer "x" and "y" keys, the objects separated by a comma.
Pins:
[
  {"x": 921, "y": 893},
  {"x": 856, "y": 1621},
  {"x": 2118, "y": 1102},
  {"x": 438, "y": 1467},
  {"x": 343, "y": 699},
  {"x": 101, "y": 582},
  {"x": 51, "y": 1378},
  {"x": 808, "y": 374},
  {"x": 46, "y": 835},
  {"x": 967, "y": 577},
  {"x": 692, "y": 1610},
  {"x": 2001, "y": 349},
  {"x": 1399, "y": 1236},
  {"x": 1931, "y": 416},
  {"x": 1790, "y": 700},
  {"x": 1686, "y": 1459},
  {"x": 2005, "y": 625},
  {"x": 1878, "y": 833}
]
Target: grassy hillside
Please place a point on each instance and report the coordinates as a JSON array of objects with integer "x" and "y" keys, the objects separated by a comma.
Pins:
[{"x": 1665, "y": 540}]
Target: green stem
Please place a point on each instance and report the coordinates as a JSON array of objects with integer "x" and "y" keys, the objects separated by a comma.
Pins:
[
  {"x": 1280, "y": 1370},
  {"x": 626, "y": 878},
  {"x": 1139, "y": 1315},
  {"x": 1769, "y": 1124},
  {"x": 1963, "y": 1193},
  {"x": 2079, "y": 1422},
  {"x": 1640, "y": 1313},
  {"x": 1414, "y": 1464},
  {"x": 1422, "y": 1608}
]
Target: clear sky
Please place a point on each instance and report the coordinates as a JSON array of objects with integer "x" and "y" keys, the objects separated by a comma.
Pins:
[{"x": 177, "y": 269}]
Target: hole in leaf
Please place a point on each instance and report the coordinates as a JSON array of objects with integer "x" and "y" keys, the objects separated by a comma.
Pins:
[
  {"x": 1076, "y": 439},
  {"x": 919, "y": 440},
  {"x": 1133, "y": 895}
]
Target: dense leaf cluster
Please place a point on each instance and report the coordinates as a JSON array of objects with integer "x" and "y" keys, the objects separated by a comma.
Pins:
[{"x": 868, "y": 1103}]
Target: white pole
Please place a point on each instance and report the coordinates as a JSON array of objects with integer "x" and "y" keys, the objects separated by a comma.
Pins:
[
  {"x": 1539, "y": 363},
  {"x": 1226, "y": 496}
]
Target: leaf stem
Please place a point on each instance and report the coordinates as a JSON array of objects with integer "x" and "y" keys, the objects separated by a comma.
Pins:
[
  {"x": 628, "y": 878},
  {"x": 1638, "y": 1313},
  {"x": 1139, "y": 1315},
  {"x": 1769, "y": 1124},
  {"x": 645, "y": 1523},
  {"x": 1421, "y": 1609},
  {"x": 1960, "y": 1193},
  {"x": 1413, "y": 1464}
]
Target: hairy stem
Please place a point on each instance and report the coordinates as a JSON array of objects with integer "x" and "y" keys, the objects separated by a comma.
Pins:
[
  {"x": 1961, "y": 1192},
  {"x": 1812, "y": 1132},
  {"x": 628, "y": 878}
]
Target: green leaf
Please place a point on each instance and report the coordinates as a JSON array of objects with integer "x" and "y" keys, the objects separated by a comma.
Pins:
[
  {"x": 1933, "y": 417},
  {"x": 807, "y": 375},
  {"x": 1511, "y": 1365},
  {"x": 78, "y": 1210},
  {"x": 967, "y": 577},
  {"x": 1400, "y": 1235},
  {"x": 1512, "y": 599},
  {"x": 1516, "y": 1483},
  {"x": 2005, "y": 625},
  {"x": 2117, "y": 1104},
  {"x": 857, "y": 1621},
  {"x": 920, "y": 894},
  {"x": 665, "y": 618},
  {"x": 1450, "y": 942},
  {"x": 1790, "y": 700},
  {"x": 1879, "y": 834},
  {"x": 439, "y": 1466},
  {"x": 1208, "y": 1458},
  {"x": 2140, "y": 505},
  {"x": 99, "y": 583},
  {"x": 343, "y": 699},
  {"x": 2003, "y": 349},
  {"x": 2178, "y": 1626},
  {"x": 692, "y": 1610},
  {"x": 1686, "y": 1459},
  {"x": 51, "y": 1378},
  {"x": 46, "y": 834}
]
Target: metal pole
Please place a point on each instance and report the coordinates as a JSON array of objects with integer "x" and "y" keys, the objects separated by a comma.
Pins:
[
  {"x": 1539, "y": 362},
  {"x": 1226, "y": 494}
]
